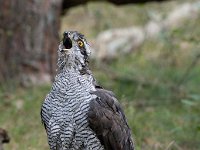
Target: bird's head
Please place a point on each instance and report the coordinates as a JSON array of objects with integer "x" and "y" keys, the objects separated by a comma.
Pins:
[{"x": 74, "y": 51}]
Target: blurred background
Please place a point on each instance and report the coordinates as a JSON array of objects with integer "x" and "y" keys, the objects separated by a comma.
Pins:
[{"x": 146, "y": 51}]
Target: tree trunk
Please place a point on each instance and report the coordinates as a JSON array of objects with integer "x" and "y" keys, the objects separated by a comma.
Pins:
[{"x": 28, "y": 39}]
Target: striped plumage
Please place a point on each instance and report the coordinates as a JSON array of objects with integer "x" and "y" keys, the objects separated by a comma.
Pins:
[{"x": 77, "y": 113}]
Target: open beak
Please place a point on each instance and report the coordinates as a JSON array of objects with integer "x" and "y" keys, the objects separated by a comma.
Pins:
[{"x": 67, "y": 43}]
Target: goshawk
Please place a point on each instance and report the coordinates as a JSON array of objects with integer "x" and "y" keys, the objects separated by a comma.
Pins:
[{"x": 78, "y": 114}]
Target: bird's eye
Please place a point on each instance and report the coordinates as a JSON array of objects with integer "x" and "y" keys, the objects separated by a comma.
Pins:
[{"x": 80, "y": 43}]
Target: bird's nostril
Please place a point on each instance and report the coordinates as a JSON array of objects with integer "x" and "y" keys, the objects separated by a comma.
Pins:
[{"x": 67, "y": 42}]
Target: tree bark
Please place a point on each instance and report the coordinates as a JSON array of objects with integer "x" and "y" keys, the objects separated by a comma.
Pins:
[{"x": 28, "y": 39}]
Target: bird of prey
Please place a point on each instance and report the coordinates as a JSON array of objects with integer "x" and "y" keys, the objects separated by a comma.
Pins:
[{"x": 78, "y": 114}]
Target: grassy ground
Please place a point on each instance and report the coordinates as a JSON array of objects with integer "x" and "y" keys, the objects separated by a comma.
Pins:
[{"x": 158, "y": 85}]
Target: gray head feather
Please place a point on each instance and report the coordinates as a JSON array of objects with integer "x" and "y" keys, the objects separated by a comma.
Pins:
[{"x": 73, "y": 52}]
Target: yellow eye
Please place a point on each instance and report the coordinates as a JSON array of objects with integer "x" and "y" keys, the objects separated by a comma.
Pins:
[{"x": 80, "y": 43}]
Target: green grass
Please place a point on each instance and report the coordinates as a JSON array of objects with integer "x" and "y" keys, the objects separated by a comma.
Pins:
[
  {"x": 154, "y": 125},
  {"x": 160, "y": 102},
  {"x": 20, "y": 115}
]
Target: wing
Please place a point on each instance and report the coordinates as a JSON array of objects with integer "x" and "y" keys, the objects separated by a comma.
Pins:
[{"x": 107, "y": 120}]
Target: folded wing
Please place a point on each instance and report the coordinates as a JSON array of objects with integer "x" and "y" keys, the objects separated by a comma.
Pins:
[{"x": 106, "y": 118}]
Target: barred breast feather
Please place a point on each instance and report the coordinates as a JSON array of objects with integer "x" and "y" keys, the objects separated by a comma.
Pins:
[{"x": 64, "y": 114}]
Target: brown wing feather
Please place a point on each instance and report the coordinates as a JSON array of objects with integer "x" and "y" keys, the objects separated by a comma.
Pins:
[{"x": 107, "y": 120}]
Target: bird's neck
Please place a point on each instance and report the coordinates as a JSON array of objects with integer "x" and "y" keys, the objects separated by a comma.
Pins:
[
  {"x": 70, "y": 65},
  {"x": 71, "y": 74},
  {"x": 64, "y": 67},
  {"x": 74, "y": 68}
]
